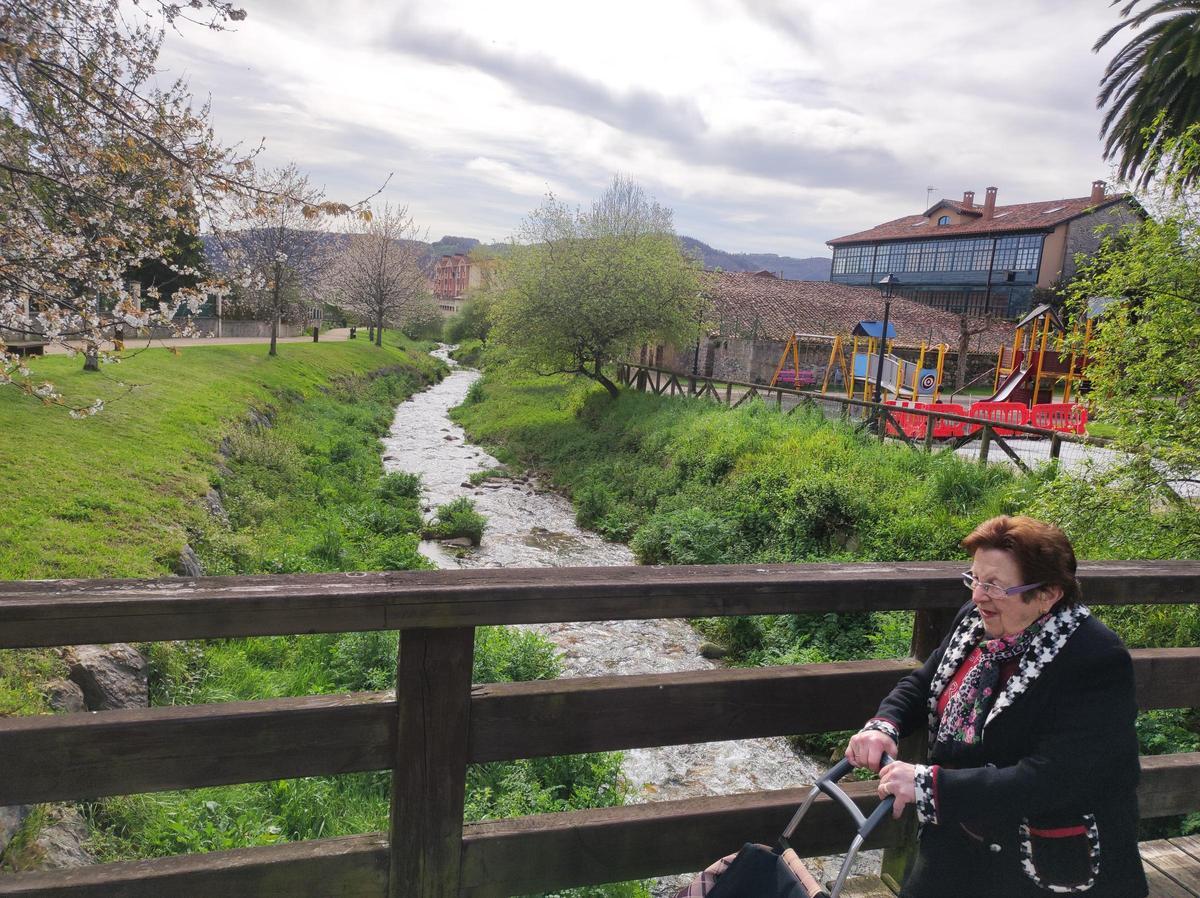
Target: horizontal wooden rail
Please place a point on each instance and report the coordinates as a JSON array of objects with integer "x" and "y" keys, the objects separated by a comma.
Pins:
[
  {"x": 517, "y": 856},
  {"x": 78, "y": 756},
  {"x": 65, "y": 612}
]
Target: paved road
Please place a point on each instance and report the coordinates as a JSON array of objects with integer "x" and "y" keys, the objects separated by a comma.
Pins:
[{"x": 334, "y": 335}]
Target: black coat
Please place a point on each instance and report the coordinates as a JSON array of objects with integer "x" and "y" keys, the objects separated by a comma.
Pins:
[{"x": 1044, "y": 803}]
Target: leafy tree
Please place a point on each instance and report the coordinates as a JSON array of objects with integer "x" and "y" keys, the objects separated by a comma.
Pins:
[
  {"x": 378, "y": 277},
  {"x": 97, "y": 160},
  {"x": 106, "y": 169},
  {"x": 472, "y": 322},
  {"x": 1144, "y": 361},
  {"x": 1152, "y": 85},
  {"x": 587, "y": 287}
]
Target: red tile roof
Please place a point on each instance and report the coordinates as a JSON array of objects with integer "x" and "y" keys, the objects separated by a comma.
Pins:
[
  {"x": 1043, "y": 216},
  {"x": 773, "y": 309}
]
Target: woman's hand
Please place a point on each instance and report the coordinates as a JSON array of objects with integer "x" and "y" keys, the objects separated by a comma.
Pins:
[
  {"x": 867, "y": 746},
  {"x": 898, "y": 779}
]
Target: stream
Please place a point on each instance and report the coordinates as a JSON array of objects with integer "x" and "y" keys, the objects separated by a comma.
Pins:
[{"x": 532, "y": 526}]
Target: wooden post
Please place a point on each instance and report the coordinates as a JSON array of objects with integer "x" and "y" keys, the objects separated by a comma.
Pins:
[
  {"x": 729, "y": 394},
  {"x": 433, "y": 704},
  {"x": 929, "y": 628},
  {"x": 985, "y": 443},
  {"x": 1055, "y": 445},
  {"x": 930, "y": 423}
]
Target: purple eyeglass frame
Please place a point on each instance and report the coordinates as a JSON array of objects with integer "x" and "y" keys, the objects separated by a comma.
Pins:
[{"x": 971, "y": 581}]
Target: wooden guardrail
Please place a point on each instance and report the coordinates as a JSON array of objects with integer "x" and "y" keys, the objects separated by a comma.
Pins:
[
  {"x": 664, "y": 382},
  {"x": 437, "y": 723}
]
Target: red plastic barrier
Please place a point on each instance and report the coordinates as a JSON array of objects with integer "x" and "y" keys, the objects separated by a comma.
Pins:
[
  {"x": 912, "y": 425},
  {"x": 1064, "y": 416},
  {"x": 943, "y": 429},
  {"x": 1000, "y": 413}
]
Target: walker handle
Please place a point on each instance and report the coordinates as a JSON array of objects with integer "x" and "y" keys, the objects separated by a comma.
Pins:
[{"x": 828, "y": 785}]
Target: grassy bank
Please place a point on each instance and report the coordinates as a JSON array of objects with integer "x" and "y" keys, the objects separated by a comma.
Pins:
[
  {"x": 114, "y": 495},
  {"x": 117, "y": 495}
]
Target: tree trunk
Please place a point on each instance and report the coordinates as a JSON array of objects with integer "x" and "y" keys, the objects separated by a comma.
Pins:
[
  {"x": 597, "y": 375},
  {"x": 275, "y": 313},
  {"x": 964, "y": 347},
  {"x": 379, "y": 329},
  {"x": 91, "y": 358}
]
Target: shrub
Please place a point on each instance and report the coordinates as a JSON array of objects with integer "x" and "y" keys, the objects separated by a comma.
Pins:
[
  {"x": 399, "y": 485},
  {"x": 455, "y": 519},
  {"x": 475, "y": 393},
  {"x": 507, "y": 655},
  {"x": 397, "y": 553},
  {"x": 686, "y": 536}
]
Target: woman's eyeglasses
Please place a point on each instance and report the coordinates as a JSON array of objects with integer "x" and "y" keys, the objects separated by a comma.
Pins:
[{"x": 993, "y": 590}]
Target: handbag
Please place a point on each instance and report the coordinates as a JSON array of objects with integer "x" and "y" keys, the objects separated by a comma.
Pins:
[{"x": 759, "y": 871}]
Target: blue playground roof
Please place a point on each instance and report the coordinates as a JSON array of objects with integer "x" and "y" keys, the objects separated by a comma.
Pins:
[{"x": 873, "y": 329}]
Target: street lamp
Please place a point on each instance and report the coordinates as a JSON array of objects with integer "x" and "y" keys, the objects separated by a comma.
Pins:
[{"x": 886, "y": 284}]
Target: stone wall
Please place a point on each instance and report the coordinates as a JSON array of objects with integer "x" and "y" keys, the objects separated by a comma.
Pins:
[{"x": 1082, "y": 236}]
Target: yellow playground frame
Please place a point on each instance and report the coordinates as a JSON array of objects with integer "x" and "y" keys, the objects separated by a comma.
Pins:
[
  {"x": 870, "y": 347},
  {"x": 1031, "y": 339}
]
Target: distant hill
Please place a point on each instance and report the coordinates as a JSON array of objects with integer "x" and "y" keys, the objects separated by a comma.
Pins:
[
  {"x": 814, "y": 268},
  {"x": 449, "y": 245}
]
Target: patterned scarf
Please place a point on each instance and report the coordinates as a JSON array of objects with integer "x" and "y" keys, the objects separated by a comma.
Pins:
[{"x": 967, "y": 710}]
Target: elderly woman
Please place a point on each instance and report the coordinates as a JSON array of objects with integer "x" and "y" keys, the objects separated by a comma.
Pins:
[{"x": 1029, "y": 787}]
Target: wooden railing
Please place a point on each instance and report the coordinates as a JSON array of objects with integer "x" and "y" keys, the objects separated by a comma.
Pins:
[
  {"x": 438, "y": 723},
  {"x": 664, "y": 382}
]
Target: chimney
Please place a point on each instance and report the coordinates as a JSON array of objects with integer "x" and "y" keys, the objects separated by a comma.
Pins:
[
  {"x": 1097, "y": 192},
  {"x": 968, "y": 199},
  {"x": 989, "y": 203}
]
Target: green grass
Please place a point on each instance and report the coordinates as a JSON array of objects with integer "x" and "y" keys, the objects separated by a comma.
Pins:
[{"x": 116, "y": 494}]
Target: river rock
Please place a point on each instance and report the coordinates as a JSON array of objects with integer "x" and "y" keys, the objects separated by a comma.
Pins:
[
  {"x": 65, "y": 696},
  {"x": 258, "y": 420},
  {"x": 11, "y": 818},
  {"x": 448, "y": 438},
  {"x": 712, "y": 650},
  {"x": 461, "y": 541},
  {"x": 216, "y": 508},
  {"x": 189, "y": 564},
  {"x": 111, "y": 676},
  {"x": 61, "y": 842}
]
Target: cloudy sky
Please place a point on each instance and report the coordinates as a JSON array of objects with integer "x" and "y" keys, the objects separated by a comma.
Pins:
[{"x": 767, "y": 125}]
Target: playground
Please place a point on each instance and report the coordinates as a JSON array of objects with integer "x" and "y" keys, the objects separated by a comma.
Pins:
[{"x": 1034, "y": 381}]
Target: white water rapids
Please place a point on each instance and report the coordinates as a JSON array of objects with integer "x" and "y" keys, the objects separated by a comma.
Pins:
[{"x": 533, "y": 527}]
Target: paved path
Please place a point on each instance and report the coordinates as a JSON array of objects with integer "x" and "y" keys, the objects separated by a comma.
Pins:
[{"x": 334, "y": 335}]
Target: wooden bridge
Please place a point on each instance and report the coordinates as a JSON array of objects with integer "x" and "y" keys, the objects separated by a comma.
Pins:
[{"x": 438, "y": 723}]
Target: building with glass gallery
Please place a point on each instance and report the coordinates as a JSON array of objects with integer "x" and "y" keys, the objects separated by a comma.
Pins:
[{"x": 980, "y": 259}]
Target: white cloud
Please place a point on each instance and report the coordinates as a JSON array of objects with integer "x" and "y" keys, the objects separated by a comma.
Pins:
[{"x": 769, "y": 125}]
